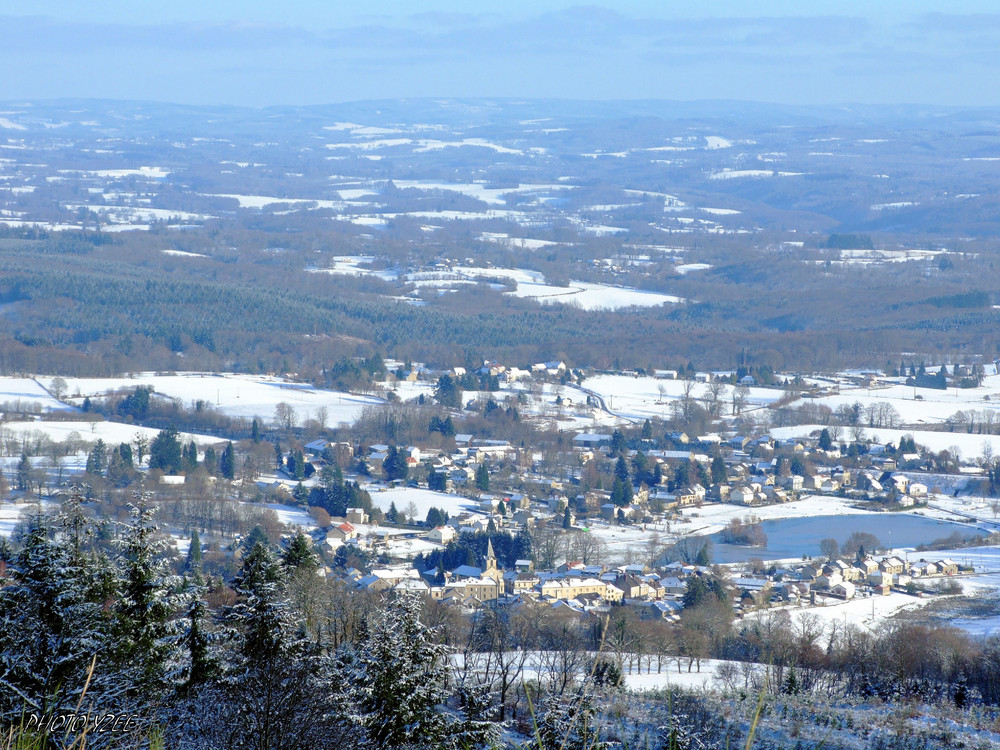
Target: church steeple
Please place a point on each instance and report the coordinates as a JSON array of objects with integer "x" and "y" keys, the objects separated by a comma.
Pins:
[{"x": 491, "y": 558}]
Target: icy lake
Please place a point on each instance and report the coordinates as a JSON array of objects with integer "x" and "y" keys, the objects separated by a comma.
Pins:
[{"x": 795, "y": 537}]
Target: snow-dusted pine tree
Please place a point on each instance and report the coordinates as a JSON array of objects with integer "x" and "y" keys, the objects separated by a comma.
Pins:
[
  {"x": 143, "y": 608},
  {"x": 51, "y": 627},
  {"x": 396, "y": 686},
  {"x": 273, "y": 691}
]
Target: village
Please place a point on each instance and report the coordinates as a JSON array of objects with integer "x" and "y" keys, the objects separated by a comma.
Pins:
[{"x": 583, "y": 520}]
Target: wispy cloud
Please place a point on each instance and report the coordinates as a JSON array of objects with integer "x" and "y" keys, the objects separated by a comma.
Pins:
[{"x": 582, "y": 51}]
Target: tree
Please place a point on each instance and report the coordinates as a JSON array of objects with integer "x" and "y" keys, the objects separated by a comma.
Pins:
[
  {"x": 394, "y": 465},
  {"x": 437, "y": 481},
  {"x": 447, "y": 392},
  {"x": 165, "y": 452},
  {"x": 858, "y": 541},
  {"x": 825, "y": 441},
  {"x": 621, "y": 492},
  {"x": 718, "y": 470},
  {"x": 255, "y": 430},
  {"x": 57, "y": 387},
  {"x": 54, "y": 625},
  {"x": 436, "y": 517},
  {"x": 273, "y": 682},
  {"x": 194, "y": 554},
  {"x": 397, "y": 682},
  {"x": 829, "y": 548},
  {"x": 142, "y": 608},
  {"x": 227, "y": 463},
  {"x": 285, "y": 416},
  {"x": 482, "y": 478},
  {"x": 299, "y": 555},
  {"x": 141, "y": 444},
  {"x": 97, "y": 459},
  {"x": 618, "y": 446}
]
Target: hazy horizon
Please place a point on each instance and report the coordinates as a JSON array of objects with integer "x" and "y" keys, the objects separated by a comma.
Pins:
[{"x": 254, "y": 54}]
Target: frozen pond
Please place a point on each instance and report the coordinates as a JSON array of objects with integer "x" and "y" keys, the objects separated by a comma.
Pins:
[{"x": 795, "y": 537}]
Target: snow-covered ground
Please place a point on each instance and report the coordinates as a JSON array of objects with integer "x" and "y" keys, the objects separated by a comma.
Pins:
[
  {"x": 245, "y": 396},
  {"x": 422, "y": 499},
  {"x": 970, "y": 445},
  {"x": 641, "y": 397},
  {"x": 12, "y": 514},
  {"x": 594, "y": 296},
  {"x": 30, "y": 393},
  {"x": 111, "y": 433}
]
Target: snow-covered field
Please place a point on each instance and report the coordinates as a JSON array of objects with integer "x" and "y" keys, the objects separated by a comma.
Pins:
[
  {"x": 424, "y": 500},
  {"x": 30, "y": 393},
  {"x": 970, "y": 445},
  {"x": 11, "y": 515},
  {"x": 245, "y": 396},
  {"x": 642, "y": 397},
  {"x": 111, "y": 433},
  {"x": 587, "y": 295},
  {"x": 594, "y": 296}
]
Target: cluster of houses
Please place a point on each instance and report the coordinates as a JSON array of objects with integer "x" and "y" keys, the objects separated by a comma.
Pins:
[
  {"x": 573, "y": 585},
  {"x": 751, "y": 482},
  {"x": 654, "y": 594}
]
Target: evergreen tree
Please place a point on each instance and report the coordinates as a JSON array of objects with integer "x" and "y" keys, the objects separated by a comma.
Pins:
[
  {"x": 396, "y": 683},
  {"x": 825, "y": 441},
  {"x": 300, "y": 494},
  {"x": 719, "y": 474},
  {"x": 194, "y": 560},
  {"x": 201, "y": 666},
  {"x": 165, "y": 452},
  {"x": 618, "y": 446},
  {"x": 24, "y": 473},
  {"x": 125, "y": 452},
  {"x": 394, "y": 465},
  {"x": 273, "y": 681},
  {"x": 255, "y": 431},
  {"x": 437, "y": 481},
  {"x": 211, "y": 461},
  {"x": 436, "y": 517},
  {"x": 53, "y": 627},
  {"x": 619, "y": 493},
  {"x": 447, "y": 392},
  {"x": 97, "y": 459},
  {"x": 255, "y": 537},
  {"x": 189, "y": 457},
  {"x": 704, "y": 557},
  {"x": 482, "y": 478},
  {"x": 569, "y": 723},
  {"x": 392, "y": 515},
  {"x": 227, "y": 464},
  {"x": 299, "y": 555},
  {"x": 142, "y": 608}
]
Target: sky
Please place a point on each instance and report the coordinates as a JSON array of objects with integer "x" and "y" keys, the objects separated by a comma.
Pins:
[{"x": 256, "y": 53}]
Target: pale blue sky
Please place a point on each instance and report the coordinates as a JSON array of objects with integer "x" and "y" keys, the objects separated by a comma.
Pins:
[{"x": 257, "y": 53}]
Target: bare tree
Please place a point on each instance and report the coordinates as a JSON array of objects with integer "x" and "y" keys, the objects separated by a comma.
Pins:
[
  {"x": 548, "y": 545},
  {"x": 586, "y": 547},
  {"x": 284, "y": 415},
  {"x": 498, "y": 648},
  {"x": 141, "y": 444},
  {"x": 715, "y": 394},
  {"x": 57, "y": 388},
  {"x": 986, "y": 454},
  {"x": 740, "y": 395},
  {"x": 322, "y": 416}
]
